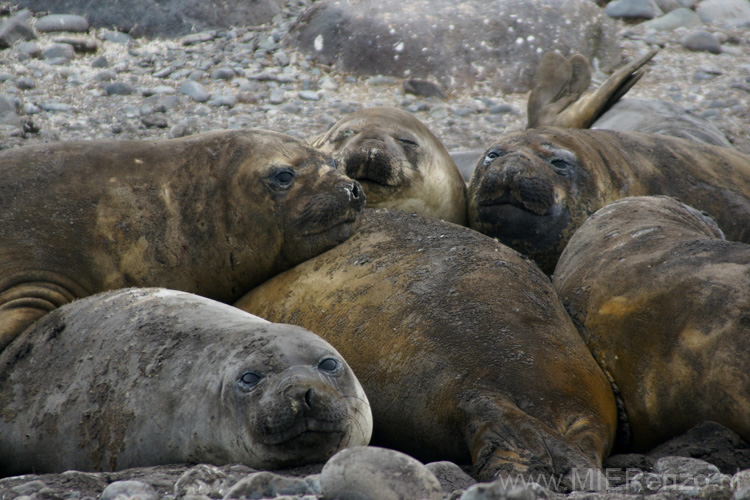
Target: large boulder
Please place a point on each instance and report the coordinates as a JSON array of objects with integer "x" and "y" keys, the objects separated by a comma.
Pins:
[
  {"x": 163, "y": 18},
  {"x": 499, "y": 42}
]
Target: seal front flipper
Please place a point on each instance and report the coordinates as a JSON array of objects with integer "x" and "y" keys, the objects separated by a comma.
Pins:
[
  {"x": 570, "y": 106},
  {"x": 26, "y": 297},
  {"x": 509, "y": 444}
]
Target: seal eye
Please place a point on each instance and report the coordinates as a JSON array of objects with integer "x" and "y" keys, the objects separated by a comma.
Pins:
[
  {"x": 248, "y": 380},
  {"x": 329, "y": 365},
  {"x": 345, "y": 134},
  {"x": 332, "y": 163},
  {"x": 560, "y": 166},
  {"x": 408, "y": 142},
  {"x": 284, "y": 177}
]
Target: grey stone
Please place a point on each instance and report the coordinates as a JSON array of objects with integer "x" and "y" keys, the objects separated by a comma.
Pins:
[
  {"x": 195, "y": 91},
  {"x": 372, "y": 473},
  {"x": 27, "y": 50},
  {"x": 683, "y": 467},
  {"x": 268, "y": 485},
  {"x": 36, "y": 485},
  {"x": 165, "y": 18},
  {"x": 56, "y": 107},
  {"x": 450, "y": 475},
  {"x": 224, "y": 100},
  {"x": 117, "y": 37},
  {"x": 156, "y": 120},
  {"x": 309, "y": 95},
  {"x": 678, "y": 18},
  {"x": 202, "y": 479},
  {"x": 14, "y": 29},
  {"x": 424, "y": 88},
  {"x": 62, "y": 22},
  {"x": 205, "y": 36},
  {"x": 276, "y": 96},
  {"x": 701, "y": 41},
  {"x": 58, "y": 51},
  {"x": 724, "y": 12},
  {"x": 633, "y": 9},
  {"x": 107, "y": 75},
  {"x": 741, "y": 484},
  {"x": 25, "y": 83},
  {"x": 124, "y": 490},
  {"x": 433, "y": 39},
  {"x": 100, "y": 62},
  {"x": 119, "y": 88},
  {"x": 440, "y": 112},
  {"x": 668, "y": 5},
  {"x": 498, "y": 490},
  {"x": 223, "y": 74}
]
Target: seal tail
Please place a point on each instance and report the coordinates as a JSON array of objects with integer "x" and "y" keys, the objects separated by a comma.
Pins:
[{"x": 559, "y": 98}]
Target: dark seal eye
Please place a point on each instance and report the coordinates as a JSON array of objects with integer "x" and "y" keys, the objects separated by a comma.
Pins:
[
  {"x": 408, "y": 142},
  {"x": 283, "y": 178},
  {"x": 248, "y": 380},
  {"x": 329, "y": 365},
  {"x": 559, "y": 165},
  {"x": 491, "y": 156}
]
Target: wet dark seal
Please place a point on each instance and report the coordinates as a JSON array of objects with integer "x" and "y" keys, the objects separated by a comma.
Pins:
[
  {"x": 212, "y": 214},
  {"x": 140, "y": 377},
  {"x": 462, "y": 346},
  {"x": 533, "y": 189}
]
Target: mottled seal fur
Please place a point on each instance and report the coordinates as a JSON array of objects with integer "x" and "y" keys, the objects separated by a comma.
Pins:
[
  {"x": 138, "y": 377},
  {"x": 212, "y": 214},
  {"x": 461, "y": 344},
  {"x": 664, "y": 304},
  {"x": 532, "y": 189},
  {"x": 399, "y": 162}
]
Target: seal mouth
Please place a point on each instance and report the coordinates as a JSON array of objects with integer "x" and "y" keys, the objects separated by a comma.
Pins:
[
  {"x": 505, "y": 199},
  {"x": 346, "y": 225},
  {"x": 306, "y": 427}
]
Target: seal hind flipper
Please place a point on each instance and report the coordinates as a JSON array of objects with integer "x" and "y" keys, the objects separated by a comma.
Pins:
[
  {"x": 26, "y": 298},
  {"x": 572, "y": 106}
]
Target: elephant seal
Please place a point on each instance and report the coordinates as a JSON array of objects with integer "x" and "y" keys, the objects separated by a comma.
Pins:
[
  {"x": 138, "y": 377},
  {"x": 663, "y": 302},
  {"x": 461, "y": 344},
  {"x": 532, "y": 189},
  {"x": 399, "y": 162},
  {"x": 212, "y": 214}
]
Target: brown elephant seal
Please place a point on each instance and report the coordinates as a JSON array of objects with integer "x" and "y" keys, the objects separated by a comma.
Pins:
[
  {"x": 137, "y": 377},
  {"x": 462, "y": 345},
  {"x": 533, "y": 189},
  {"x": 212, "y": 214},
  {"x": 664, "y": 304},
  {"x": 399, "y": 162}
]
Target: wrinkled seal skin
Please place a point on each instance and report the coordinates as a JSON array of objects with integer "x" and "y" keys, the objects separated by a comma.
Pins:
[
  {"x": 664, "y": 304},
  {"x": 461, "y": 344},
  {"x": 212, "y": 214},
  {"x": 139, "y": 377},
  {"x": 399, "y": 162},
  {"x": 533, "y": 189}
]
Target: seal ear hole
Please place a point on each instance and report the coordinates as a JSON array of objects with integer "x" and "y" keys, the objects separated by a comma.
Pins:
[
  {"x": 249, "y": 379},
  {"x": 329, "y": 365}
]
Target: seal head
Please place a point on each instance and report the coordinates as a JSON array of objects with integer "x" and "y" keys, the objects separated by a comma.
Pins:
[{"x": 399, "y": 162}]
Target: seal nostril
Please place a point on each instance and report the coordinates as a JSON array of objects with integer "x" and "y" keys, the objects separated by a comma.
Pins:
[
  {"x": 308, "y": 398},
  {"x": 355, "y": 190}
]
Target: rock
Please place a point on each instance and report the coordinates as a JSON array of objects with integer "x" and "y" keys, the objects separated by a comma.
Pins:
[
  {"x": 741, "y": 484},
  {"x": 58, "y": 51},
  {"x": 202, "y": 479},
  {"x": 710, "y": 442},
  {"x": 8, "y": 114},
  {"x": 633, "y": 9},
  {"x": 372, "y": 473},
  {"x": 433, "y": 39},
  {"x": 62, "y": 22},
  {"x": 701, "y": 41},
  {"x": 451, "y": 476},
  {"x": 14, "y": 29},
  {"x": 165, "y": 18},
  {"x": 309, "y": 95},
  {"x": 119, "y": 88},
  {"x": 27, "y": 50},
  {"x": 195, "y": 91},
  {"x": 117, "y": 37},
  {"x": 223, "y": 74},
  {"x": 677, "y": 18},
  {"x": 268, "y": 485},
  {"x": 125, "y": 490},
  {"x": 423, "y": 88},
  {"x": 25, "y": 83},
  {"x": 684, "y": 467},
  {"x": 724, "y": 12},
  {"x": 498, "y": 490}
]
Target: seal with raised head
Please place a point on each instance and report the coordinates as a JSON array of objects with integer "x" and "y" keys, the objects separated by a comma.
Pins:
[
  {"x": 663, "y": 302},
  {"x": 533, "y": 189},
  {"x": 462, "y": 345},
  {"x": 399, "y": 162},
  {"x": 212, "y": 214},
  {"x": 138, "y": 377}
]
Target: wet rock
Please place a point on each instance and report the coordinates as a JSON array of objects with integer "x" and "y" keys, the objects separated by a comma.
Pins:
[
  {"x": 129, "y": 490},
  {"x": 268, "y": 485},
  {"x": 372, "y": 473}
]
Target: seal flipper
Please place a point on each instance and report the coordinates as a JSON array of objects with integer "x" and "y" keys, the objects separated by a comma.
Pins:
[
  {"x": 507, "y": 443},
  {"x": 572, "y": 107},
  {"x": 28, "y": 297}
]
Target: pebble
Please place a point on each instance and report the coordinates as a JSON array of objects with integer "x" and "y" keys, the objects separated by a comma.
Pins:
[
  {"x": 309, "y": 95},
  {"x": 195, "y": 91},
  {"x": 701, "y": 41},
  {"x": 60, "y": 52},
  {"x": 119, "y": 88},
  {"x": 202, "y": 480},
  {"x": 372, "y": 473},
  {"x": 678, "y": 18},
  {"x": 62, "y": 22},
  {"x": 633, "y": 9},
  {"x": 129, "y": 490},
  {"x": 269, "y": 485}
]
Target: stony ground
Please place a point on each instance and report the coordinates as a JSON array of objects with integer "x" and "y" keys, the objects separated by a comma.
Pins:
[{"x": 276, "y": 88}]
